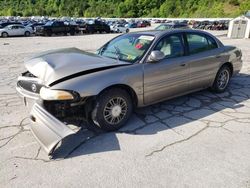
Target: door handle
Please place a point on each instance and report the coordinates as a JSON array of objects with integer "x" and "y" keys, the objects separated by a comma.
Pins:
[
  {"x": 183, "y": 65},
  {"x": 218, "y": 56}
]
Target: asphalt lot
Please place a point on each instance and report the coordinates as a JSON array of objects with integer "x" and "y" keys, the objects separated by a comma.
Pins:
[{"x": 199, "y": 140}]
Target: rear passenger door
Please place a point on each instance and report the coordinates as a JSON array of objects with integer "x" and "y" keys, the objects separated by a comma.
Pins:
[
  {"x": 20, "y": 30},
  {"x": 204, "y": 59}
]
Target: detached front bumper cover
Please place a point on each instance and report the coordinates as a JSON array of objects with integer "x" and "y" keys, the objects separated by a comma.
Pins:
[{"x": 47, "y": 129}]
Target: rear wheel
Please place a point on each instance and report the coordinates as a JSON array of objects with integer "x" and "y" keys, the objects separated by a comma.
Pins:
[
  {"x": 72, "y": 32},
  {"x": 222, "y": 79},
  {"x": 112, "y": 110},
  {"x": 4, "y": 34},
  {"x": 27, "y": 34},
  {"x": 49, "y": 33}
]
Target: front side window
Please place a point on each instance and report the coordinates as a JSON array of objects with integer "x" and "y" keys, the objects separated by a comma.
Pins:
[
  {"x": 56, "y": 24},
  {"x": 128, "y": 48},
  {"x": 171, "y": 46},
  {"x": 200, "y": 43}
]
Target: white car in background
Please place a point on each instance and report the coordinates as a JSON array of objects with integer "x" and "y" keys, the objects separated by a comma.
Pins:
[
  {"x": 16, "y": 30},
  {"x": 119, "y": 28}
]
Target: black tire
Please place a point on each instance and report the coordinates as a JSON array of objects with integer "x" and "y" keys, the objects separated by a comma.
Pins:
[
  {"x": 27, "y": 34},
  {"x": 222, "y": 79},
  {"x": 4, "y": 34},
  {"x": 49, "y": 33},
  {"x": 127, "y": 30},
  {"x": 107, "y": 31},
  {"x": 108, "y": 117},
  {"x": 72, "y": 32}
]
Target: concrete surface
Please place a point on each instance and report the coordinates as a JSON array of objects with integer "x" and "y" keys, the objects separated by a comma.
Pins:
[{"x": 199, "y": 140}]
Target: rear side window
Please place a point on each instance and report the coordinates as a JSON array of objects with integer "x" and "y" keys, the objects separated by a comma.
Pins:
[
  {"x": 171, "y": 46},
  {"x": 55, "y": 24},
  {"x": 200, "y": 43},
  {"x": 211, "y": 43}
]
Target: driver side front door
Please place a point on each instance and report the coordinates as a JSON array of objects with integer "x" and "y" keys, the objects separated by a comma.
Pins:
[
  {"x": 168, "y": 77},
  {"x": 12, "y": 30}
]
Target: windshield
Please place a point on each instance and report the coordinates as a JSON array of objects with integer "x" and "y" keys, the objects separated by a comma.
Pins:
[
  {"x": 163, "y": 27},
  {"x": 128, "y": 48}
]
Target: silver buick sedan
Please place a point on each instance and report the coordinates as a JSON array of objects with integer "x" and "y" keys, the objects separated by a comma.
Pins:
[{"x": 130, "y": 71}]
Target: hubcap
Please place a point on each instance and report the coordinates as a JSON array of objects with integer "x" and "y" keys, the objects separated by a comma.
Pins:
[
  {"x": 223, "y": 79},
  {"x": 115, "y": 110}
]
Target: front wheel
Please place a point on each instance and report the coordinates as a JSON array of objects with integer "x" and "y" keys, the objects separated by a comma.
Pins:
[
  {"x": 112, "y": 110},
  {"x": 222, "y": 79},
  {"x": 4, "y": 34}
]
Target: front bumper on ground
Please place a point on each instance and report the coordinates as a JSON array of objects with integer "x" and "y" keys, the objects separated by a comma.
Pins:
[{"x": 47, "y": 129}]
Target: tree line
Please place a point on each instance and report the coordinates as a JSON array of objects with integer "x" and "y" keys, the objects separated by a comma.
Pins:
[{"x": 124, "y": 8}]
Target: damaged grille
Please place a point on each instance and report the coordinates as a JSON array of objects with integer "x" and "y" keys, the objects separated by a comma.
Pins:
[{"x": 66, "y": 111}]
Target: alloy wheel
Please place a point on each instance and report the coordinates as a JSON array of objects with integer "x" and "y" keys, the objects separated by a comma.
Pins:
[
  {"x": 223, "y": 79},
  {"x": 115, "y": 110}
]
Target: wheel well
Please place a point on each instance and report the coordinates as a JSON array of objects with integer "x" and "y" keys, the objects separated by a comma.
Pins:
[
  {"x": 230, "y": 67},
  {"x": 130, "y": 91}
]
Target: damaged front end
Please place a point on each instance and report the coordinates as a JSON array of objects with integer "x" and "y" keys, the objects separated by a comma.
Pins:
[
  {"x": 55, "y": 115},
  {"x": 52, "y": 121}
]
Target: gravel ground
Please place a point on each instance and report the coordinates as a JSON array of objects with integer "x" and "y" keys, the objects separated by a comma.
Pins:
[{"x": 199, "y": 140}]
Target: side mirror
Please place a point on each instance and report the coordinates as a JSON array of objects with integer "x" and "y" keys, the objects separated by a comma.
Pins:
[{"x": 156, "y": 56}]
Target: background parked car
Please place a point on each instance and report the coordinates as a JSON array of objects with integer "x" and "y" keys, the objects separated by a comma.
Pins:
[
  {"x": 4, "y": 24},
  {"x": 56, "y": 27},
  {"x": 119, "y": 28},
  {"x": 94, "y": 26},
  {"x": 16, "y": 30},
  {"x": 34, "y": 25},
  {"x": 131, "y": 25},
  {"x": 166, "y": 26}
]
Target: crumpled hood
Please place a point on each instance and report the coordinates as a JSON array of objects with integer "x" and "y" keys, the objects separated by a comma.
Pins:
[{"x": 54, "y": 65}]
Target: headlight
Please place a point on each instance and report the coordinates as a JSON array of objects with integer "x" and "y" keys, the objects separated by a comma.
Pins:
[{"x": 49, "y": 94}]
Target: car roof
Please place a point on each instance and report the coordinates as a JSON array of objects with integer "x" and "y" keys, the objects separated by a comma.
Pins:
[
  {"x": 159, "y": 33},
  {"x": 15, "y": 25}
]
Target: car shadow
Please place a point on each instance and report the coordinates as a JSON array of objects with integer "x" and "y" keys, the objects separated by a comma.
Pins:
[{"x": 178, "y": 112}]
